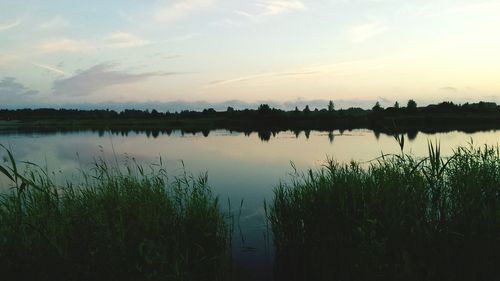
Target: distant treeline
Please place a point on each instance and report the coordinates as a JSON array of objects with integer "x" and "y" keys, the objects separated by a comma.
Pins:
[{"x": 483, "y": 115}]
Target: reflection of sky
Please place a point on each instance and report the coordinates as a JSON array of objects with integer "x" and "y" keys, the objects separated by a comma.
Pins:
[{"x": 238, "y": 166}]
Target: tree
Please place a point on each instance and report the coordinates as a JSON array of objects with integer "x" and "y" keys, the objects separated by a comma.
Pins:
[
  {"x": 154, "y": 113},
  {"x": 396, "y": 105},
  {"x": 264, "y": 108},
  {"x": 411, "y": 105},
  {"x": 306, "y": 109},
  {"x": 377, "y": 107},
  {"x": 209, "y": 111},
  {"x": 331, "y": 106},
  {"x": 230, "y": 109}
]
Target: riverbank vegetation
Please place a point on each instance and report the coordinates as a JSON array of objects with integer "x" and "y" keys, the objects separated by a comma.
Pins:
[
  {"x": 128, "y": 223},
  {"x": 436, "y": 117},
  {"x": 397, "y": 218}
]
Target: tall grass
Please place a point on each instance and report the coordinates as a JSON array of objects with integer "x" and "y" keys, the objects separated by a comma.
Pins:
[
  {"x": 398, "y": 218},
  {"x": 114, "y": 225}
]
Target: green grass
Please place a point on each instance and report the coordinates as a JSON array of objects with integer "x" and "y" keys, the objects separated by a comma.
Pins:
[
  {"x": 398, "y": 218},
  {"x": 133, "y": 224}
]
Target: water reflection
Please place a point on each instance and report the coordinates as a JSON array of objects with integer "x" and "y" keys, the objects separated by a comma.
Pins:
[
  {"x": 264, "y": 135},
  {"x": 240, "y": 164}
]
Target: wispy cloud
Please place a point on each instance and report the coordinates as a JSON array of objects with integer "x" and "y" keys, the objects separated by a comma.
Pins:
[
  {"x": 272, "y": 8},
  {"x": 7, "y": 58},
  {"x": 57, "y": 22},
  {"x": 50, "y": 68},
  {"x": 99, "y": 77},
  {"x": 117, "y": 40},
  {"x": 180, "y": 9},
  {"x": 257, "y": 76},
  {"x": 337, "y": 69},
  {"x": 449, "y": 89},
  {"x": 124, "y": 40},
  {"x": 8, "y": 25},
  {"x": 475, "y": 7},
  {"x": 364, "y": 32},
  {"x": 62, "y": 44}
]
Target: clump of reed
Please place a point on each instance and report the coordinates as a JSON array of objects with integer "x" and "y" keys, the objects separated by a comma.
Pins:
[
  {"x": 131, "y": 223},
  {"x": 397, "y": 218}
]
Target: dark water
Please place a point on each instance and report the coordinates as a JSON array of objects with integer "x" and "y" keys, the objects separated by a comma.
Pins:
[{"x": 240, "y": 166}]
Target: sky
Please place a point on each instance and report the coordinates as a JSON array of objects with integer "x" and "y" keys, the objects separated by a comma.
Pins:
[{"x": 188, "y": 52}]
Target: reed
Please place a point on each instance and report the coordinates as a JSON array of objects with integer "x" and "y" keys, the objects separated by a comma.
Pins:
[
  {"x": 397, "y": 218},
  {"x": 118, "y": 223}
]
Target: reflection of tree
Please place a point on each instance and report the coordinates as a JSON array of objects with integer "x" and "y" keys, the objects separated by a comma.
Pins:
[
  {"x": 307, "y": 133},
  {"x": 331, "y": 136},
  {"x": 297, "y": 133},
  {"x": 155, "y": 133},
  {"x": 412, "y": 135},
  {"x": 377, "y": 134},
  {"x": 265, "y": 135},
  {"x": 205, "y": 133}
]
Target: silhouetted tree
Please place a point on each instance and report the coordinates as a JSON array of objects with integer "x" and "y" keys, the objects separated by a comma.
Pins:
[
  {"x": 155, "y": 113},
  {"x": 331, "y": 106},
  {"x": 230, "y": 109},
  {"x": 306, "y": 109},
  {"x": 209, "y": 111},
  {"x": 264, "y": 108},
  {"x": 411, "y": 105},
  {"x": 396, "y": 105},
  {"x": 377, "y": 107}
]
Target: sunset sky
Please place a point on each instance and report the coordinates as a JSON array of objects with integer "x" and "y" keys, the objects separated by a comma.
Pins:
[{"x": 123, "y": 51}]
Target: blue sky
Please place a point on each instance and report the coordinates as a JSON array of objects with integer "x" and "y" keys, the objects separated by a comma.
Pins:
[{"x": 76, "y": 52}]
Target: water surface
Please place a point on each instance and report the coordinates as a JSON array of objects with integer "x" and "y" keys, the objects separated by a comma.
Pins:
[{"x": 239, "y": 166}]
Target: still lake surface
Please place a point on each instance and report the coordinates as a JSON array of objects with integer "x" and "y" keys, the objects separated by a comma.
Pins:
[{"x": 240, "y": 166}]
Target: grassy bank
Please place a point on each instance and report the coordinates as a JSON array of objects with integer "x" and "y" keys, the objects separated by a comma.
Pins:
[
  {"x": 133, "y": 224},
  {"x": 398, "y": 218}
]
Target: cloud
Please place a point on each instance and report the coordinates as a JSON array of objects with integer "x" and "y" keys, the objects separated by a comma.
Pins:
[
  {"x": 10, "y": 58},
  {"x": 99, "y": 77},
  {"x": 49, "y": 68},
  {"x": 56, "y": 22},
  {"x": 124, "y": 40},
  {"x": 10, "y": 88},
  {"x": 363, "y": 32},
  {"x": 63, "y": 44},
  {"x": 258, "y": 76},
  {"x": 9, "y": 25},
  {"x": 272, "y": 8},
  {"x": 180, "y": 9},
  {"x": 449, "y": 89},
  {"x": 475, "y": 7}
]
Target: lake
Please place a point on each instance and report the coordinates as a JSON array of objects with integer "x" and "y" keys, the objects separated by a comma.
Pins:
[{"x": 240, "y": 166}]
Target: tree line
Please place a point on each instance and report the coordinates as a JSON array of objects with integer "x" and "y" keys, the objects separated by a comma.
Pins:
[{"x": 264, "y": 110}]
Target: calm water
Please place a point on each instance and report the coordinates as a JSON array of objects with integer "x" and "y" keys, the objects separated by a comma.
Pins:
[{"x": 240, "y": 166}]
